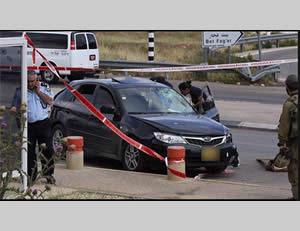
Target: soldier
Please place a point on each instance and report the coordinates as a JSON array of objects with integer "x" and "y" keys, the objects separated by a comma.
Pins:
[{"x": 288, "y": 132}]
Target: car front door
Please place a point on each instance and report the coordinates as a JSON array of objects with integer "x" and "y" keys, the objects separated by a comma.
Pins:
[
  {"x": 79, "y": 115},
  {"x": 105, "y": 141},
  {"x": 208, "y": 108}
]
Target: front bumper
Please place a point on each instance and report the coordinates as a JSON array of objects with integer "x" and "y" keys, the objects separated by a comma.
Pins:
[{"x": 193, "y": 154}]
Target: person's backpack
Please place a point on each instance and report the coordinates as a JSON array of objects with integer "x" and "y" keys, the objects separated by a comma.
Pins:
[
  {"x": 278, "y": 164},
  {"x": 293, "y": 132}
]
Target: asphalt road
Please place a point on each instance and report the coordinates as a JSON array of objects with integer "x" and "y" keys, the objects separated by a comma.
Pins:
[
  {"x": 281, "y": 53},
  {"x": 231, "y": 92},
  {"x": 251, "y": 145}
]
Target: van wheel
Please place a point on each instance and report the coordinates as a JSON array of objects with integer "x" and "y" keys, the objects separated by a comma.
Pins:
[
  {"x": 132, "y": 158},
  {"x": 49, "y": 77}
]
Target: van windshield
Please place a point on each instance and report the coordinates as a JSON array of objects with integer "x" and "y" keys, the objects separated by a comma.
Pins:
[{"x": 152, "y": 100}]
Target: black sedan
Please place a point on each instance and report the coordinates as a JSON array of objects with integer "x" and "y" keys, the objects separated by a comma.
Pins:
[{"x": 151, "y": 113}]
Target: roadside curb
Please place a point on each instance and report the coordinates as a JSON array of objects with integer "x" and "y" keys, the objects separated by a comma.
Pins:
[{"x": 249, "y": 125}]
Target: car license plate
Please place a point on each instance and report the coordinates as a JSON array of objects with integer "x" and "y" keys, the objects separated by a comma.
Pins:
[{"x": 210, "y": 154}]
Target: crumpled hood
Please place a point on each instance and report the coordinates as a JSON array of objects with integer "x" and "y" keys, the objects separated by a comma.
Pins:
[{"x": 183, "y": 124}]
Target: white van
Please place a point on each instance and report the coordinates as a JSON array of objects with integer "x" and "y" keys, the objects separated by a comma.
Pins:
[{"x": 64, "y": 49}]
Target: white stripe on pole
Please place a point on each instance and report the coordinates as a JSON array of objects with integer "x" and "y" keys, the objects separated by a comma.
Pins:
[
  {"x": 151, "y": 53},
  {"x": 151, "y": 34},
  {"x": 151, "y": 44}
]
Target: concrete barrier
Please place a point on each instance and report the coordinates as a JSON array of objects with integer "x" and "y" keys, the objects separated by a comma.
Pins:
[
  {"x": 176, "y": 161},
  {"x": 74, "y": 154}
]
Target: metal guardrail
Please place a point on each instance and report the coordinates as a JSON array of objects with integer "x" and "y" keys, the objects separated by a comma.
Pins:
[
  {"x": 119, "y": 64},
  {"x": 267, "y": 38},
  {"x": 246, "y": 73}
]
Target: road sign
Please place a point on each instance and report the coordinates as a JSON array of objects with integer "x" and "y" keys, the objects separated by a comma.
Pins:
[{"x": 221, "y": 38}]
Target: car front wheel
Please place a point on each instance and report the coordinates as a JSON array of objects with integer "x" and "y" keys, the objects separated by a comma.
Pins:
[
  {"x": 132, "y": 158},
  {"x": 58, "y": 132}
]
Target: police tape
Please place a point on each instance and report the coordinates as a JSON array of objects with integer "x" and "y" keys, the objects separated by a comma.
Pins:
[
  {"x": 158, "y": 69},
  {"x": 209, "y": 67},
  {"x": 45, "y": 68},
  {"x": 100, "y": 116}
]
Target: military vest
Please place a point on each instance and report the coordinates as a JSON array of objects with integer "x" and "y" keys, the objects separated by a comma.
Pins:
[{"x": 293, "y": 132}]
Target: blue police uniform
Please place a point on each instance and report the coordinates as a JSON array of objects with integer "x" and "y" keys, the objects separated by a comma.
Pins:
[
  {"x": 39, "y": 129},
  {"x": 37, "y": 110}
]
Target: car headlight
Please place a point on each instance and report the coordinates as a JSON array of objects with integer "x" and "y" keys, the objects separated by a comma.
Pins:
[
  {"x": 169, "y": 139},
  {"x": 228, "y": 137}
]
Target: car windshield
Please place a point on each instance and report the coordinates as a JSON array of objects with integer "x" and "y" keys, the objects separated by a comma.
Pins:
[{"x": 152, "y": 100}]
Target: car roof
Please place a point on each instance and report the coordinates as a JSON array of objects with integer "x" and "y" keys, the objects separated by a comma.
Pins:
[{"x": 120, "y": 82}]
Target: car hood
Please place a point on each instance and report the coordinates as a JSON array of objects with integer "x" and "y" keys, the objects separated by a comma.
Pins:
[{"x": 183, "y": 124}]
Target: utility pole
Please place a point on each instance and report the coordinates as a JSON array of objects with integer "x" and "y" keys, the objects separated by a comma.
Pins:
[{"x": 151, "y": 46}]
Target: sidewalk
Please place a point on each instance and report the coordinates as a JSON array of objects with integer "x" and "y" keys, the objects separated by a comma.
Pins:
[
  {"x": 145, "y": 186},
  {"x": 249, "y": 115}
]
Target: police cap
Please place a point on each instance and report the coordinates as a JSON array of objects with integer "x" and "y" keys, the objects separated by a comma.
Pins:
[{"x": 292, "y": 82}]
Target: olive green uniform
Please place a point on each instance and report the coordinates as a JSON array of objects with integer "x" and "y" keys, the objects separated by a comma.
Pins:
[{"x": 288, "y": 135}]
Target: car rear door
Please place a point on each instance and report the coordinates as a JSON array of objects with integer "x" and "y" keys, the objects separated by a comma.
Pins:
[{"x": 105, "y": 142}]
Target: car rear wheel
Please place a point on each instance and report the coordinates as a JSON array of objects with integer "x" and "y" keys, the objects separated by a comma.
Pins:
[
  {"x": 132, "y": 158},
  {"x": 216, "y": 169},
  {"x": 58, "y": 132}
]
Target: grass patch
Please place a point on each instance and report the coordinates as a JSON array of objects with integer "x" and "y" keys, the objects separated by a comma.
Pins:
[{"x": 81, "y": 195}]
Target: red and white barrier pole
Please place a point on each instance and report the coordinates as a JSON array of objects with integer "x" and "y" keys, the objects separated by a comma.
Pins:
[
  {"x": 176, "y": 163},
  {"x": 75, "y": 153}
]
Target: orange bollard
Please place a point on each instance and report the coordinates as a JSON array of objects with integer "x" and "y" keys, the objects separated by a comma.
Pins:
[
  {"x": 176, "y": 161},
  {"x": 74, "y": 152}
]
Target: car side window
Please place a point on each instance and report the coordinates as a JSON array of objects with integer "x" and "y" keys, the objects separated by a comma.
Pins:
[
  {"x": 104, "y": 97},
  {"x": 64, "y": 95},
  {"x": 87, "y": 91}
]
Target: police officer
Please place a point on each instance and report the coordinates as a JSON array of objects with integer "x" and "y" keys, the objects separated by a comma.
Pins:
[
  {"x": 39, "y": 97},
  {"x": 196, "y": 94},
  {"x": 288, "y": 131}
]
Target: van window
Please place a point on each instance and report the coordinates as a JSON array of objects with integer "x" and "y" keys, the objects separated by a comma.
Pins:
[
  {"x": 92, "y": 41},
  {"x": 80, "y": 42},
  {"x": 4, "y": 34},
  {"x": 49, "y": 41}
]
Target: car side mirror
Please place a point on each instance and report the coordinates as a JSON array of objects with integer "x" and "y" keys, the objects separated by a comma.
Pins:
[{"x": 108, "y": 109}]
